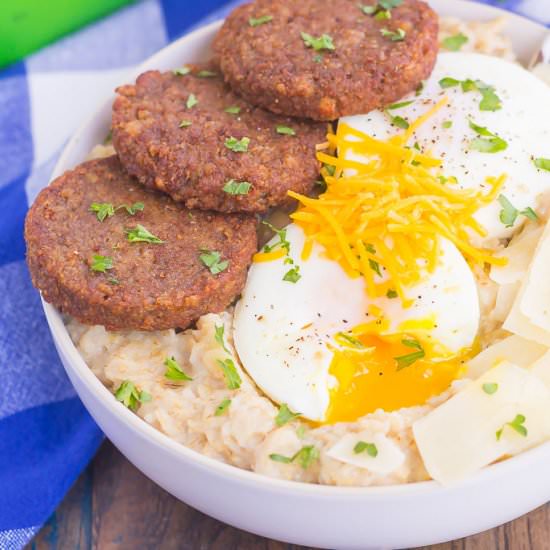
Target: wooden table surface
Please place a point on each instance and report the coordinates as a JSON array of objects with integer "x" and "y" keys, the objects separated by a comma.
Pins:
[{"x": 114, "y": 506}]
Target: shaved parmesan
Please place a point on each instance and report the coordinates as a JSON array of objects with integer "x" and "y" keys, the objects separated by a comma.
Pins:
[
  {"x": 389, "y": 456},
  {"x": 514, "y": 349},
  {"x": 459, "y": 437}
]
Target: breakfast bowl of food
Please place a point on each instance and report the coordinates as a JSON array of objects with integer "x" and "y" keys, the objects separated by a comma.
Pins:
[{"x": 295, "y": 270}]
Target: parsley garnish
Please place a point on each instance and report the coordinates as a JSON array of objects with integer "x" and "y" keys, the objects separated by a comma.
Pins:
[
  {"x": 517, "y": 424},
  {"x": 285, "y": 415},
  {"x": 542, "y": 164},
  {"x": 211, "y": 259},
  {"x": 351, "y": 341},
  {"x": 286, "y": 130},
  {"x": 375, "y": 266},
  {"x": 182, "y": 71},
  {"x": 509, "y": 212},
  {"x": 232, "y": 378},
  {"x": 140, "y": 234},
  {"x": 362, "y": 446},
  {"x": 382, "y": 9},
  {"x": 398, "y": 121},
  {"x": 448, "y": 82},
  {"x": 447, "y": 124},
  {"x": 185, "y": 124},
  {"x": 493, "y": 144},
  {"x": 391, "y": 293},
  {"x": 324, "y": 42},
  {"x": 206, "y": 74},
  {"x": 233, "y": 109},
  {"x": 219, "y": 336},
  {"x": 404, "y": 361},
  {"x": 305, "y": 456},
  {"x": 281, "y": 233},
  {"x": 395, "y": 36},
  {"x": 530, "y": 214},
  {"x": 174, "y": 372},
  {"x": 399, "y": 105},
  {"x": 233, "y": 187},
  {"x": 222, "y": 407},
  {"x": 129, "y": 396},
  {"x": 101, "y": 263},
  {"x": 191, "y": 101},
  {"x": 490, "y": 387},
  {"x": 237, "y": 145},
  {"x": 292, "y": 275},
  {"x": 257, "y": 21},
  {"x": 489, "y": 99},
  {"x": 132, "y": 209},
  {"x": 102, "y": 210},
  {"x": 455, "y": 42}
]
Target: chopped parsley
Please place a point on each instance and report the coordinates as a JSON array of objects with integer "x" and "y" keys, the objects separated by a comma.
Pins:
[
  {"x": 398, "y": 121},
  {"x": 132, "y": 209},
  {"x": 542, "y": 164},
  {"x": 323, "y": 42},
  {"x": 391, "y": 293},
  {"x": 191, "y": 101},
  {"x": 130, "y": 396},
  {"x": 102, "y": 210},
  {"x": 185, "y": 124},
  {"x": 399, "y": 105},
  {"x": 140, "y": 234},
  {"x": 404, "y": 361},
  {"x": 448, "y": 82},
  {"x": 489, "y": 143},
  {"x": 382, "y": 9},
  {"x": 292, "y": 275},
  {"x": 108, "y": 138},
  {"x": 232, "y": 378},
  {"x": 318, "y": 58},
  {"x": 490, "y": 388},
  {"x": 257, "y": 21},
  {"x": 113, "y": 281},
  {"x": 285, "y": 415},
  {"x": 233, "y": 187},
  {"x": 455, "y": 42},
  {"x": 375, "y": 266},
  {"x": 394, "y": 36},
  {"x": 362, "y": 446},
  {"x": 447, "y": 124},
  {"x": 490, "y": 101},
  {"x": 305, "y": 456},
  {"x": 509, "y": 212},
  {"x": 530, "y": 214},
  {"x": 233, "y": 109},
  {"x": 206, "y": 74},
  {"x": 517, "y": 424},
  {"x": 182, "y": 71},
  {"x": 101, "y": 263},
  {"x": 286, "y": 130},
  {"x": 349, "y": 340},
  {"x": 219, "y": 337},
  {"x": 174, "y": 372},
  {"x": 237, "y": 145},
  {"x": 222, "y": 407},
  {"x": 282, "y": 242},
  {"x": 383, "y": 14},
  {"x": 212, "y": 260}
]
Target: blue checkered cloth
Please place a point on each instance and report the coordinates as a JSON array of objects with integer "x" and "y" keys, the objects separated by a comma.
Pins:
[{"x": 46, "y": 435}]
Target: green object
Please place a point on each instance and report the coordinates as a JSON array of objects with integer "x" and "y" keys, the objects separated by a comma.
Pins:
[{"x": 27, "y": 25}]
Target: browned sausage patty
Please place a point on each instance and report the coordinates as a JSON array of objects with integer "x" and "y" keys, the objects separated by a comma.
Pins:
[
  {"x": 174, "y": 133},
  {"x": 89, "y": 268},
  {"x": 271, "y": 65}
]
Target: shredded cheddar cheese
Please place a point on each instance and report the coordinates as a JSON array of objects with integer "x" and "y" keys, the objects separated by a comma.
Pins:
[{"x": 381, "y": 218}]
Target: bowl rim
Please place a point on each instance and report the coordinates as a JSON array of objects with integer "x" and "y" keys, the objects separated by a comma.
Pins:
[{"x": 157, "y": 438}]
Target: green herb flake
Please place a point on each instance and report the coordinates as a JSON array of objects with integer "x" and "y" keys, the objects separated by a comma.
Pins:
[
  {"x": 130, "y": 396},
  {"x": 399, "y": 121},
  {"x": 382, "y": 15},
  {"x": 285, "y": 415},
  {"x": 101, "y": 263},
  {"x": 362, "y": 446},
  {"x": 280, "y": 458},
  {"x": 349, "y": 340},
  {"x": 455, "y": 42},
  {"x": 102, "y": 210},
  {"x": 305, "y": 457},
  {"x": 206, "y": 74},
  {"x": 212, "y": 260},
  {"x": 282, "y": 242},
  {"x": 285, "y": 130},
  {"x": 391, "y": 294},
  {"x": 449, "y": 82},
  {"x": 517, "y": 424},
  {"x": 233, "y": 187},
  {"x": 232, "y": 377},
  {"x": 182, "y": 71},
  {"x": 375, "y": 266},
  {"x": 490, "y": 388},
  {"x": 219, "y": 337},
  {"x": 394, "y": 36},
  {"x": 174, "y": 372},
  {"x": 368, "y": 10},
  {"x": 222, "y": 407},
  {"x": 530, "y": 214},
  {"x": 447, "y": 124},
  {"x": 257, "y": 21},
  {"x": 292, "y": 275},
  {"x": 191, "y": 101},
  {"x": 542, "y": 163},
  {"x": 132, "y": 209},
  {"x": 323, "y": 42},
  {"x": 237, "y": 145},
  {"x": 113, "y": 281},
  {"x": 490, "y": 100},
  {"x": 140, "y": 234},
  {"x": 404, "y": 361},
  {"x": 108, "y": 138},
  {"x": 389, "y": 4},
  {"x": 185, "y": 124},
  {"x": 318, "y": 58},
  {"x": 509, "y": 212},
  {"x": 489, "y": 143},
  {"x": 399, "y": 105},
  {"x": 233, "y": 109}
]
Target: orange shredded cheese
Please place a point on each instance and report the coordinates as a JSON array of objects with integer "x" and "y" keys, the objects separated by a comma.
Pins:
[{"x": 390, "y": 210}]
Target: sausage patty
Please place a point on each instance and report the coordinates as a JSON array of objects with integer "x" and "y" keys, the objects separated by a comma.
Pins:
[
  {"x": 85, "y": 254},
  {"x": 325, "y": 59},
  {"x": 191, "y": 137}
]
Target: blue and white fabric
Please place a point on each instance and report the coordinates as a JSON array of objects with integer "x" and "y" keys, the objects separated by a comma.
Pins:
[{"x": 46, "y": 435}]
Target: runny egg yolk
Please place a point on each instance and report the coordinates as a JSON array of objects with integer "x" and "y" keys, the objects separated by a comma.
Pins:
[{"x": 370, "y": 377}]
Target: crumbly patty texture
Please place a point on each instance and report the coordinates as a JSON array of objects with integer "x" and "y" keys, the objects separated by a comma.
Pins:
[
  {"x": 174, "y": 133},
  {"x": 149, "y": 286},
  {"x": 271, "y": 66}
]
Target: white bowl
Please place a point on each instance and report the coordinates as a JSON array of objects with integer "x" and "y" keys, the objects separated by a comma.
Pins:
[{"x": 314, "y": 515}]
